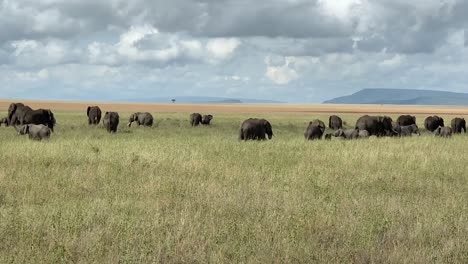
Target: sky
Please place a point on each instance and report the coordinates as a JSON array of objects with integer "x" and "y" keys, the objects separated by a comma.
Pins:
[{"x": 284, "y": 50}]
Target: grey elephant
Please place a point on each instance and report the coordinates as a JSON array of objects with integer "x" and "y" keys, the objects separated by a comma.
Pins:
[
  {"x": 431, "y": 123},
  {"x": 94, "y": 115},
  {"x": 16, "y": 113},
  {"x": 206, "y": 119},
  {"x": 458, "y": 124},
  {"x": 375, "y": 125},
  {"x": 314, "y": 130},
  {"x": 406, "y": 120},
  {"x": 335, "y": 122},
  {"x": 396, "y": 129},
  {"x": 195, "y": 119},
  {"x": 255, "y": 129},
  {"x": 36, "y": 132},
  {"x": 111, "y": 121},
  {"x": 443, "y": 131},
  {"x": 363, "y": 134},
  {"x": 406, "y": 131},
  {"x": 141, "y": 118},
  {"x": 347, "y": 133}
]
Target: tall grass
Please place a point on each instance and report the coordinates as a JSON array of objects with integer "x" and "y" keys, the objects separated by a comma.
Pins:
[{"x": 173, "y": 193}]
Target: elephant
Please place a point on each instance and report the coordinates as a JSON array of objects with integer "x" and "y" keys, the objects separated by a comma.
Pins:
[
  {"x": 141, "y": 118},
  {"x": 406, "y": 120},
  {"x": 396, "y": 130},
  {"x": 314, "y": 130},
  {"x": 206, "y": 119},
  {"x": 328, "y": 136},
  {"x": 16, "y": 113},
  {"x": 255, "y": 129},
  {"x": 37, "y": 132},
  {"x": 94, "y": 115},
  {"x": 431, "y": 123},
  {"x": 195, "y": 119},
  {"x": 4, "y": 121},
  {"x": 458, "y": 124},
  {"x": 443, "y": 131},
  {"x": 409, "y": 130},
  {"x": 347, "y": 133},
  {"x": 363, "y": 134},
  {"x": 111, "y": 121},
  {"x": 38, "y": 117},
  {"x": 375, "y": 125},
  {"x": 335, "y": 122}
]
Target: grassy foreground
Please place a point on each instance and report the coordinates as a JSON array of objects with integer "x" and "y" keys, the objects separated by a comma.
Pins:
[{"x": 174, "y": 193}]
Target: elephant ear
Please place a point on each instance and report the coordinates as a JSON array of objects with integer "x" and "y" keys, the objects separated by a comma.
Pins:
[{"x": 87, "y": 111}]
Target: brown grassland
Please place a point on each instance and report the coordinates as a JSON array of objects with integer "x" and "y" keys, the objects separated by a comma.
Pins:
[{"x": 179, "y": 194}]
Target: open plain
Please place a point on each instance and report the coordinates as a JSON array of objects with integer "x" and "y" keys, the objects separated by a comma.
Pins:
[{"x": 175, "y": 193}]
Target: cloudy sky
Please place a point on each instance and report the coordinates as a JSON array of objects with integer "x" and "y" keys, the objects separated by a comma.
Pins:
[{"x": 287, "y": 50}]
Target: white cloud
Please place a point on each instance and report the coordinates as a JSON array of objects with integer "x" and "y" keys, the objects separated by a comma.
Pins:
[
  {"x": 281, "y": 74},
  {"x": 222, "y": 48}
]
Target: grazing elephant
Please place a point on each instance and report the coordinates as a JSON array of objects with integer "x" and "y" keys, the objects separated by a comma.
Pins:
[
  {"x": 458, "y": 124},
  {"x": 443, "y": 131},
  {"x": 347, "y": 133},
  {"x": 431, "y": 123},
  {"x": 409, "y": 130},
  {"x": 314, "y": 130},
  {"x": 363, "y": 134},
  {"x": 335, "y": 122},
  {"x": 375, "y": 125},
  {"x": 206, "y": 119},
  {"x": 328, "y": 136},
  {"x": 140, "y": 118},
  {"x": 406, "y": 120},
  {"x": 37, "y": 132},
  {"x": 38, "y": 117},
  {"x": 4, "y": 121},
  {"x": 111, "y": 121},
  {"x": 16, "y": 113},
  {"x": 396, "y": 130},
  {"x": 94, "y": 115},
  {"x": 255, "y": 129},
  {"x": 195, "y": 119}
]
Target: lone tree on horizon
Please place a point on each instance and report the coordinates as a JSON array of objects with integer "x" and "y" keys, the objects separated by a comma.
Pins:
[{"x": 173, "y": 100}]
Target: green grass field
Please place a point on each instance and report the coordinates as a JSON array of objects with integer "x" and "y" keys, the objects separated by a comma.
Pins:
[{"x": 173, "y": 193}]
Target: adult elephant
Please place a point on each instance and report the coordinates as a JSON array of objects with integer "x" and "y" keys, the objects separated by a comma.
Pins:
[
  {"x": 141, "y": 118},
  {"x": 206, "y": 119},
  {"x": 458, "y": 124},
  {"x": 195, "y": 119},
  {"x": 431, "y": 123},
  {"x": 94, "y": 115},
  {"x": 314, "y": 130},
  {"x": 255, "y": 129},
  {"x": 16, "y": 113},
  {"x": 39, "y": 117},
  {"x": 335, "y": 122},
  {"x": 406, "y": 120},
  {"x": 111, "y": 121},
  {"x": 375, "y": 125}
]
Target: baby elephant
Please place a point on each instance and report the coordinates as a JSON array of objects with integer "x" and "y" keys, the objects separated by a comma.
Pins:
[
  {"x": 363, "y": 134},
  {"x": 145, "y": 119},
  {"x": 409, "y": 130},
  {"x": 328, "y": 136},
  {"x": 347, "y": 133},
  {"x": 443, "y": 131},
  {"x": 37, "y": 132}
]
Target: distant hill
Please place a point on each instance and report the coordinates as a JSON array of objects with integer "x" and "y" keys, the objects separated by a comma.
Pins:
[
  {"x": 199, "y": 99},
  {"x": 402, "y": 97}
]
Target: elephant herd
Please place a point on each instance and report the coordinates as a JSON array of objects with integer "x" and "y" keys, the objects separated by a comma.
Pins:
[
  {"x": 365, "y": 126},
  {"x": 40, "y": 123}
]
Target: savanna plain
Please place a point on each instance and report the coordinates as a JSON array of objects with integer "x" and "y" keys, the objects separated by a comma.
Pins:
[{"x": 174, "y": 194}]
